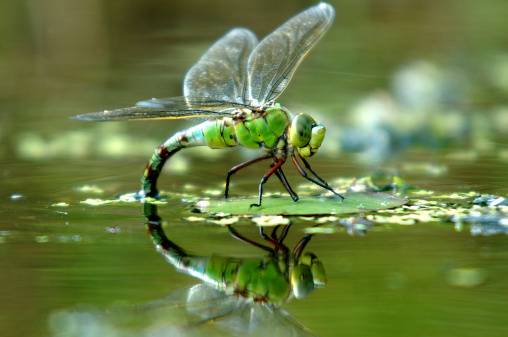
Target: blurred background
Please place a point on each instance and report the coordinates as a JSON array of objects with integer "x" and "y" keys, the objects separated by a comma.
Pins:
[{"x": 415, "y": 87}]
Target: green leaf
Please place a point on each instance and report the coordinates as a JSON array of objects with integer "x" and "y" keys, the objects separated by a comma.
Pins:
[{"x": 353, "y": 203}]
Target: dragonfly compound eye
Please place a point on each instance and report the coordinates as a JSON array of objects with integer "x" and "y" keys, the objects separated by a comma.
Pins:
[
  {"x": 317, "y": 136},
  {"x": 300, "y": 130}
]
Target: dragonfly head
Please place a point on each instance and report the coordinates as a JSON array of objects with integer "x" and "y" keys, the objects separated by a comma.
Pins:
[
  {"x": 307, "y": 274},
  {"x": 306, "y": 135}
]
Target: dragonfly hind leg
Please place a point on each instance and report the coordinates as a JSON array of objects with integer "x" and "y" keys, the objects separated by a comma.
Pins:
[
  {"x": 317, "y": 180},
  {"x": 238, "y": 167},
  {"x": 278, "y": 163}
]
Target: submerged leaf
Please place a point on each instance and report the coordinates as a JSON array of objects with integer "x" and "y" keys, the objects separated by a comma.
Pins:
[{"x": 353, "y": 203}]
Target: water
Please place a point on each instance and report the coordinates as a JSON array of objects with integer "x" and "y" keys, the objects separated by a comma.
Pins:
[{"x": 427, "y": 279}]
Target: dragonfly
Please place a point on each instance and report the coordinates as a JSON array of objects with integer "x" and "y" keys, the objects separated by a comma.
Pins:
[
  {"x": 234, "y": 86},
  {"x": 250, "y": 290}
]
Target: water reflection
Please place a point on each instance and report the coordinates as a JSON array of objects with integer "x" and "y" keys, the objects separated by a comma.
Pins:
[
  {"x": 244, "y": 294},
  {"x": 235, "y": 296}
]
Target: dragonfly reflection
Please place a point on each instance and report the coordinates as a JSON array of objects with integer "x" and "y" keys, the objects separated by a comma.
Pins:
[
  {"x": 236, "y": 296},
  {"x": 245, "y": 294}
]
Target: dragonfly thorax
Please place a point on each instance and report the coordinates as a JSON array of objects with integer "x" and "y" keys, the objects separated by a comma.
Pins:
[{"x": 305, "y": 134}]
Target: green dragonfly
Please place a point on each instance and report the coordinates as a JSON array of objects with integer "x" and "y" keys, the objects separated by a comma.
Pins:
[
  {"x": 235, "y": 287},
  {"x": 234, "y": 86}
]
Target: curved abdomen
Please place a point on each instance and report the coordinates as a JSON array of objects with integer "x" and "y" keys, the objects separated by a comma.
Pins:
[{"x": 254, "y": 130}]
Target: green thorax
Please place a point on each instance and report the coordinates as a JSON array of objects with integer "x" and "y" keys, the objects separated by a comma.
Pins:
[
  {"x": 251, "y": 130},
  {"x": 262, "y": 129},
  {"x": 260, "y": 279}
]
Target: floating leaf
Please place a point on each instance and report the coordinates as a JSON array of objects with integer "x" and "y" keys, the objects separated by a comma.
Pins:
[{"x": 354, "y": 203}]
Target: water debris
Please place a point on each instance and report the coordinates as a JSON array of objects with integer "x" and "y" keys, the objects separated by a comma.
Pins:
[
  {"x": 203, "y": 204},
  {"x": 69, "y": 238},
  {"x": 380, "y": 183},
  {"x": 194, "y": 218},
  {"x": 270, "y": 220},
  {"x": 224, "y": 221},
  {"x": 308, "y": 218},
  {"x": 90, "y": 189},
  {"x": 320, "y": 230},
  {"x": 96, "y": 202},
  {"x": 129, "y": 197},
  {"x": 60, "y": 204},
  {"x": 16, "y": 196},
  {"x": 422, "y": 192},
  {"x": 459, "y": 195},
  {"x": 324, "y": 219},
  {"x": 395, "y": 219},
  {"x": 357, "y": 225},
  {"x": 42, "y": 239},
  {"x": 113, "y": 229},
  {"x": 490, "y": 200},
  {"x": 466, "y": 277},
  {"x": 483, "y": 223},
  {"x": 213, "y": 192}
]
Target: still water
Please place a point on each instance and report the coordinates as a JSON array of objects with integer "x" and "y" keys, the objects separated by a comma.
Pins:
[{"x": 403, "y": 86}]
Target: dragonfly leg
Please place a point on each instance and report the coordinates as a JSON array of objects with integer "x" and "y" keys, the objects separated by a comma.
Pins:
[
  {"x": 263, "y": 234},
  {"x": 265, "y": 178},
  {"x": 238, "y": 167},
  {"x": 242, "y": 238},
  {"x": 304, "y": 174},
  {"x": 308, "y": 167},
  {"x": 282, "y": 177},
  {"x": 300, "y": 246},
  {"x": 284, "y": 233}
]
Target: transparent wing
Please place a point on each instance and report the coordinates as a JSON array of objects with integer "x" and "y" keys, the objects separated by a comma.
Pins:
[
  {"x": 198, "y": 311},
  {"x": 221, "y": 72},
  {"x": 239, "y": 317},
  {"x": 275, "y": 59},
  {"x": 167, "y": 108}
]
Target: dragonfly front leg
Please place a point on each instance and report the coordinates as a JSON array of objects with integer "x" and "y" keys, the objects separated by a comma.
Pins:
[
  {"x": 238, "y": 167},
  {"x": 308, "y": 167},
  {"x": 265, "y": 178},
  {"x": 304, "y": 174}
]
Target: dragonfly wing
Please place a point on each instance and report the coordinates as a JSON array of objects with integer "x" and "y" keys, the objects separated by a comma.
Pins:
[
  {"x": 258, "y": 319},
  {"x": 275, "y": 59},
  {"x": 208, "y": 303},
  {"x": 221, "y": 71},
  {"x": 167, "y": 108}
]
